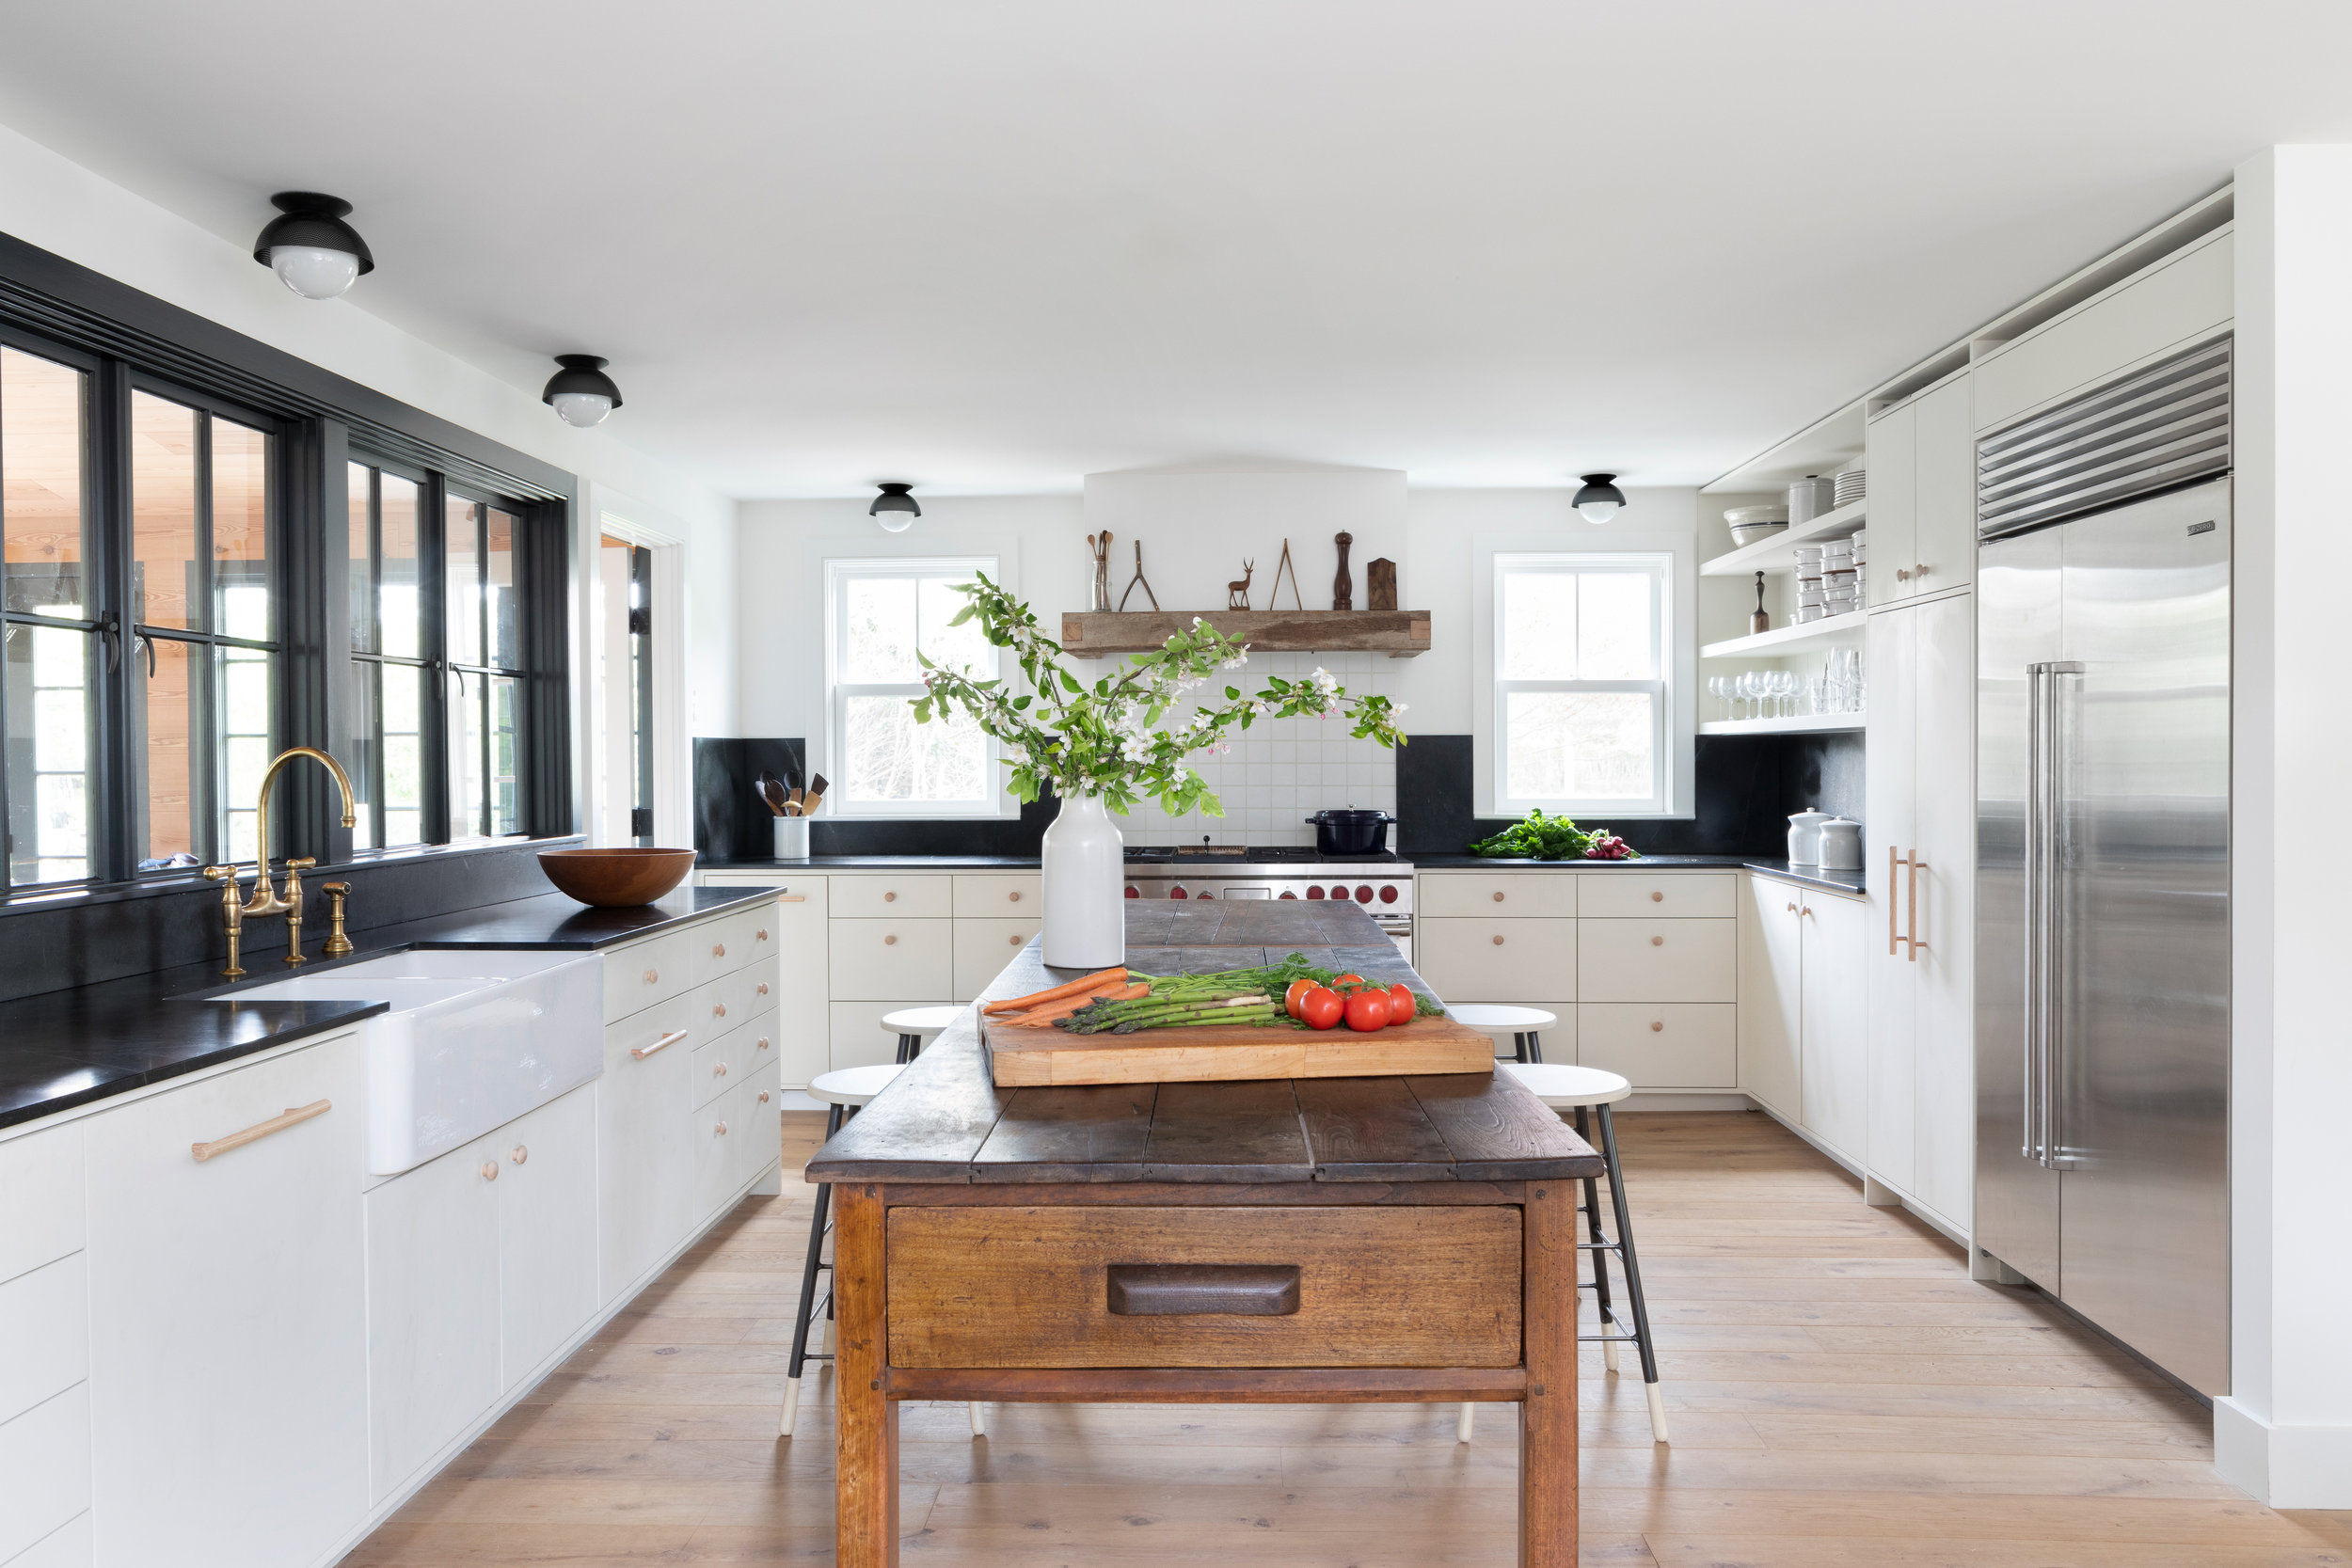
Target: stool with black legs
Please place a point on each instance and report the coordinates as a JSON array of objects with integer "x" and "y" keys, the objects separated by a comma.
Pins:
[
  {"x": 916, "y": 1027},
  {"x": 1589, "y": 1092},
  {"x": 842, "y": 1093},
  {"x": 1522, "y": 1027}
]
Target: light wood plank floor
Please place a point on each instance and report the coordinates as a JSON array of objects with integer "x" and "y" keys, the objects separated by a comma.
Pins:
[{"x": 1842, "y": 1397}]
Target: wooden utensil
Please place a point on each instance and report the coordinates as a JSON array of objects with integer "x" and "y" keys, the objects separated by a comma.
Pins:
[
  {"x": 760, "y": 789},
  {"x": 773, "y": 787}
]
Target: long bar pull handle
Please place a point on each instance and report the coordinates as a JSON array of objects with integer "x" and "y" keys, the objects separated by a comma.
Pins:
[
  {"x": 2053, "y": 780},
  {"x": 2031, "y": 1085},
  {"x": 290, "y": 1116},
  {"x": 1894, "y": 875},
  {"x": 641, "y": 1053},
  {"x": 1911, "y": 916}
]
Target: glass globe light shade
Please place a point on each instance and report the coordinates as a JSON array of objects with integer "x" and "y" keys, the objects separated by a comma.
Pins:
[
  {"x": 314, "y": 272},
  {"x": 895, "y": 522},
  {"x": 582, "y": 408},
  {"x": 1600, "y": 512}
]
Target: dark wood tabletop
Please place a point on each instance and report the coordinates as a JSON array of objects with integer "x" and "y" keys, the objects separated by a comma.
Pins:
[{"x": 942, "y": 1120}]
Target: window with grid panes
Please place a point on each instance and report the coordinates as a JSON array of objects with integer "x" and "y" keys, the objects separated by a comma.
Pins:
[{"x": 1581, "y": 683}]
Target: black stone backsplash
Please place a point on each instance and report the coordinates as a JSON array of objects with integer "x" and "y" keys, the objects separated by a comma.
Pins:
[
  {"x": 1747, "y": 785},
  {"x": 730, "y": 824},
  {"x": 80, "y": 940}
]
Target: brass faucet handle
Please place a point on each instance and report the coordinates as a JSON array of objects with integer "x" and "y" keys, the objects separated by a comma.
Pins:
[
  {"x": 220, "y": 873},
  {"x": 338, "y": 944},
  {"x": 305, "y": 863},
  {"x": 231, "y": 916}
]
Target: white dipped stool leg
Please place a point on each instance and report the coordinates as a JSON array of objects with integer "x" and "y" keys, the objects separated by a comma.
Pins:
[
  {"x": 979, "y": 1419},
  {"x": 1657, "y": 1414},
  {"x": 1462, "y": 1423},
  {"x": 791, "y": 1406}
]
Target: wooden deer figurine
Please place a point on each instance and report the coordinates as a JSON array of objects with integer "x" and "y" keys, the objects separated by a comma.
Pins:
[{"x": 1237, "y": 594}]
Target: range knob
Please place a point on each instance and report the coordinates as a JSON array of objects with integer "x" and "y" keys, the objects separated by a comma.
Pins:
[
  {"x": 1316, "y": 891},
  {"x": 1132, "y": 892},
  {"x": 1178, "y": 891},
  {"x": 1289, "y": 895},
  {"x": 1387, "y": 893},
  {"x": 1363, "y": 892},
  {"x": 1204, "y": 893}
]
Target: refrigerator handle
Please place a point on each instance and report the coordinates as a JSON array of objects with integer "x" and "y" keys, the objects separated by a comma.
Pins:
[
  {"x": 2053, "y": 780},
  {"x": 2034, "y": 1148}
]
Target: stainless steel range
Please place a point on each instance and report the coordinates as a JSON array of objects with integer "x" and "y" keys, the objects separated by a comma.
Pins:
[{"x": 1382, "y": 884}]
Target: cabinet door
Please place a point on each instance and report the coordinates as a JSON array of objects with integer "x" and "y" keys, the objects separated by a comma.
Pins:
[
  {"x": 1835, "y": 1023},
  {"x": 1943, "y": 552},
  {"x": 983, "y": 947},
  {"x": 1892, "y": 658},
  {"x": 1890, "y": 452},
  {"x": 1497, "y": 961},
  {"x": 41, "y": 1221},
  {"x": 45, "y": 1471},
  {"x": 801, "y": 1026},
  {"x": 432, "y": 1308},
  {"x": 1772, "y": 968},
  {"x": 645, "y": 1143},
  {"x": 892, "y": 896},
  {"x": 999, "y": 896},
  {"x": 546, "y": 1230},
  {"x": 1496, "y": 894},
  {"x": 890, "y": 960},
  {"x": 1662, "y": 1045},
  {"x": 1944, "y": 815},
  {"x": 229, "y": 1407},
  {"x": 1658, "y": 961},
  {"x": 758, "y": 1142}
]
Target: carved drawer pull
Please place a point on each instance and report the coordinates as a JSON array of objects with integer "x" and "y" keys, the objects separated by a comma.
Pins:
[
  {"x": 294, "y": 1115},
  {"x": 1202, "y": 1290}
]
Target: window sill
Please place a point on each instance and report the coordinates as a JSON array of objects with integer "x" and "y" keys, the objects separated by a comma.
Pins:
[{"x": 166, "y": 885}]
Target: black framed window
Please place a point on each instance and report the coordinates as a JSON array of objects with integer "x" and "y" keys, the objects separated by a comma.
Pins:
[
  {"x": 392, "y": 658},
  {"x": 484, "y": 618}
]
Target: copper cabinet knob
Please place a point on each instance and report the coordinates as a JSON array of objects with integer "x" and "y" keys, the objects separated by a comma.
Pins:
[
  {"x": 890, "y": 898},
  {"x": 1497, "y": 897},
  {"x": 520, "y": 1154},
  {"x": 718, "y": 949},
  {"x": 489, "y": 1171},
  {"x": 718, "y": 1009},
  {"x": 1657, "y": 942},
  {"x": 1655, "y": 1027},
  {"x": 1013, "y": 898},
  {"x": 653, "y": 976},
  {"x": 890, "y": 942},
  {"x": 719, "y": 1071},
  {"x": 721, "y": 1130},
  {"x": 1497, "y": 942},
  {"x": 763, "y": 1096},
  {"x": 1657, "y": 897},
  {"x": 763, "y": 988}
]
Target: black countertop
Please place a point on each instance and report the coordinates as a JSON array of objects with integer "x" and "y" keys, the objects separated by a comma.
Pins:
[
  {"x": 875, "y": 862},
  {"x": 68, "y": 1047},
  {"x": 942, "y": 1120},
  {"x": 1810, "y": 876}
]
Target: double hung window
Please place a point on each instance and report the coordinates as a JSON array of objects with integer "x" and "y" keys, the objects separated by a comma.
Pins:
[
  {"x": 879, "y": 614},
  {"x": 1582, "y": 669}
]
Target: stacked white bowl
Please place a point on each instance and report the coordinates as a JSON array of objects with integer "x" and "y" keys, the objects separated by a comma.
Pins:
[
  {"x": 1812, "y": 588},
  {"x": 1841, "y": 590}
]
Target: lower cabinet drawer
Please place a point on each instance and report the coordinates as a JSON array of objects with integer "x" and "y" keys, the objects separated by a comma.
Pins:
[
  {"x": 72, "y": 1545},
  {"x": 644, "y": 973},
  {"x": 44, "y": 1334},
  {"x": 984, "y": 948},
  {"x": 1662, "y": 1045},
  {"x": 1657, "y": 961},
  {"x": 1497, "y": 961},
  {"x": 886, "y": 960},
  {"x": 1373, "y": 1287},
  {"x": 45, "y": 1468}
]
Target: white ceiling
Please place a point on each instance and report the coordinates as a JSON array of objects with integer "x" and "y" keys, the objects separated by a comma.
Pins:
[{"x": 992, "y": 246}]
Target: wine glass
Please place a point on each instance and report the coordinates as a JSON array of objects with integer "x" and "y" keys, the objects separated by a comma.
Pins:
[
  {"x": 1719, "y": 687},
  {"x": 1752, "y": 692},
  {"x": 1785, "y": 690}
]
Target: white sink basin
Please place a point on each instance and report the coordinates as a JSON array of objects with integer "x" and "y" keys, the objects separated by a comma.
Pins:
[{"x": 473, "y": 1040}]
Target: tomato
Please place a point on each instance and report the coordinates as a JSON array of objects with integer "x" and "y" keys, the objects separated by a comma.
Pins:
[
  {"x": 1368, "y": 1010},
  {"x": 1289, "y": 997},
  {"x": 1347, "y": 983},
  {"x": 1401, "y": 1004},
  {"x": 1319, "y": 1008}
]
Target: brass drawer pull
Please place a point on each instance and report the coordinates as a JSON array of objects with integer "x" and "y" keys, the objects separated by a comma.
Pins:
[
  {"x": 1657, "y": 897},
  {"x": 890, "y": 898},
  {"x": 294, "y": 1115},
  {"x": 1203, "y": 1290},
  {"x": 890, "y": 942},
  {"x": 1497, "y": 942},
  {"x": 1497, "y": 897},
  {"x": 641, "y": 1053},
  {"x": 1657, "y": 942},
  {"x": 718, "y": 949}
]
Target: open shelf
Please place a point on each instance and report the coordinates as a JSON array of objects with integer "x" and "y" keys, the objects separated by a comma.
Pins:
[
  {"x": 1779, "y": 553},
  {"x": 1804, "y": 723},
  {"x": 1825, "y": 633},
  {"x": 1398, "y": 633}
]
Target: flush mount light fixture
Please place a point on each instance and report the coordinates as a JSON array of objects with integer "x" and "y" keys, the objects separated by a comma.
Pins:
[
  {"x": 1599, "y": 500},
  {"x": 895, "y": 509},
  {"x": 310, "y": 246},
  {"x": 581, "y": 393}
]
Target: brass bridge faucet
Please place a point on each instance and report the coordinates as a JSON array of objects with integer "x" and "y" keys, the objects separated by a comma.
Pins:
[{"x": 267, "y": 900}]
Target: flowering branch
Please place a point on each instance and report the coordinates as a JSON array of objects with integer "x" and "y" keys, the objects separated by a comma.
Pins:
[{"x": 1111, "y": 739}]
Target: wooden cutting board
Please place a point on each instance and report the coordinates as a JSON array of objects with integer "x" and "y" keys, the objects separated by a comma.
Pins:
[{"x": 1032, "y": 1058}]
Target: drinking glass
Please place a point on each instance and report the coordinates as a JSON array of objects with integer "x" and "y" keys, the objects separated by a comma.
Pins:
[
  {"x": 1719, "y": 687},
  {"x": 1785, "y": 687}
]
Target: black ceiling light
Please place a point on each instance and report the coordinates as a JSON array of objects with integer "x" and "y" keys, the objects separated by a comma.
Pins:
[
  {"x": 895, "y": 509},
  {"x": 581, "y": 393},
  {"x": 1600, "y": 499},
  {"x": 310, "y": 246}
]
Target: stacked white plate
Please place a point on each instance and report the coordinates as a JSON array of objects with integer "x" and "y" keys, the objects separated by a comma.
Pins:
[{"x": 1848, "y": 489}]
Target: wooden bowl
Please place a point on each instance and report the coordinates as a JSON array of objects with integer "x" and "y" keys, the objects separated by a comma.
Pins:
[{"x": 615, "y": 879}]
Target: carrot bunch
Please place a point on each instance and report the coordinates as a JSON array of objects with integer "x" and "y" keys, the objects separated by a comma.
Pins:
[{"x": 1038, "y": 1009}]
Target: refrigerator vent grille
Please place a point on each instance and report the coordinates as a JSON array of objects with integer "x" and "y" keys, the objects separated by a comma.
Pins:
[{"x": 2165, "y": 426}]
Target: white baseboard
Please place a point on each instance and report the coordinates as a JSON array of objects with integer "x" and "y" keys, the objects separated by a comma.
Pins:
[
  {"x": 1679, "y": 1100},
  {"x": 2284, "y": 1466}
]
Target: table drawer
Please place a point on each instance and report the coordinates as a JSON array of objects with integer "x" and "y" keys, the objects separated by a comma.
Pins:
[
  {"x": 1658, "y": 961},
  {"x": 895, "y": 897},
  {"x": 646, "y": 973},
  {"x": 984, "y": 948},
  {"x": 1662, "y": 1045},
  {"x": 887, "y": 960},
  {"x": 1659, "y": 895},
  {"x": 1508, "y": 894},
  {"x": 978, "y": 898},
  {"x": 1497, "y": 961},
  {"x": 1374, "y": 1287}
]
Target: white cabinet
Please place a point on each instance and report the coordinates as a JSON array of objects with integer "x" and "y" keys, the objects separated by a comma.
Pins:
[
  {"x": 43, "y": 1219},
  {"x": 1922, "y": 817},
  {"x": 432, "y": 1308},
  {"x": 1667, "y": 1045},
  {"x": 999, "y": 896},
  {"x": 891, "y": 959},
  {"x": 1658, "y": 961},
  {"x": 547, "y": 1231},
  {"x": 645, "y": 1144},
  {"x": 45, "y": 1473},
  {"x": 1803, "y": 1017},
  {"x": 1497, "y": 958},
  {"x": 983, "y": 947},
  {"x": 1922, "y": 456},
  {"x": 228, "y": 1382}
]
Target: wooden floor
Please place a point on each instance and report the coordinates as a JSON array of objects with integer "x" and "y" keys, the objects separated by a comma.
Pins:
[{"x": 1842, "y": 1397}]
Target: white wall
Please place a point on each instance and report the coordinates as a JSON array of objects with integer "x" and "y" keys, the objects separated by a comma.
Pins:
[
  {"x": 50, "y": 202},
  {"x": 1041, "y": 542},
  {"x": 2284, "y": 1431}
]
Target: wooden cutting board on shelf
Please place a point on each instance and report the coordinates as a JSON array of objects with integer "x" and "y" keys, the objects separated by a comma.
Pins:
[{"x": 1038, "y": 1058}]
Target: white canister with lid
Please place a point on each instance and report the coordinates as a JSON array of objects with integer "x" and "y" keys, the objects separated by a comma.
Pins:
[
  {"x": 1804, "y": 837},
  {"x": 1841, "y": 845}
]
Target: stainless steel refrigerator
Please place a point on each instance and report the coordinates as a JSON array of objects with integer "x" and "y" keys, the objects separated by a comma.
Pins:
[{"x": 2102, "y": 918}]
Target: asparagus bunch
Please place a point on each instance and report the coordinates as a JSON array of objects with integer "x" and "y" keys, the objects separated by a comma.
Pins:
[{"x": 1252, "y": 996}]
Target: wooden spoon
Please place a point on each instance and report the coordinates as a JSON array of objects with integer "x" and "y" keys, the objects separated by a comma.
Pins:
[{"x": 771, "y": 791}]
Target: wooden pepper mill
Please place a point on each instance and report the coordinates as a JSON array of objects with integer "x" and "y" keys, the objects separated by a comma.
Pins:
[
  {"x": 1344, "y": 586},
  {"x": 1759, "y": 621}
]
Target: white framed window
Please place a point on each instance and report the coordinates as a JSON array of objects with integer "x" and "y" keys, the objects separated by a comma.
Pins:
[
  {"x": 880, "y": 763},
  {"x": 1582, "y": 683}
]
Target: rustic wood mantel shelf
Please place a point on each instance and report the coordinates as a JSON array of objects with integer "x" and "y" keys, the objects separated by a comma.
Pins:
[{"x": 1398, "y": 633}]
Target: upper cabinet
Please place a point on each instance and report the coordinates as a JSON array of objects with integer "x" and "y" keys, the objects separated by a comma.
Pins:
[{"x": 1922, "y": 456}]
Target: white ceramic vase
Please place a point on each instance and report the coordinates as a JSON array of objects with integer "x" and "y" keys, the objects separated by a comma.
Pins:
[{"x": 1085, "y": 887}]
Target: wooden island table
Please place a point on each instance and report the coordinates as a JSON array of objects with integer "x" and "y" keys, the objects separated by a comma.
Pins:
[{"x": 1294, "y": 1240}]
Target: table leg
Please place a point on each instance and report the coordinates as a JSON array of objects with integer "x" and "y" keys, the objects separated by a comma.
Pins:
[
  {"x": 1547, "y": 1419},
  {"x": 866, "y": 1528}
]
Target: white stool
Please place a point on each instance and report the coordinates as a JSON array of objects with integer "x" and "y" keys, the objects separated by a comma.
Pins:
[
  {"x": 1589, "y": 1091},
  {"x": 1522, "y": 1027},
  {"x": 843, "y": 1093},
  {"x": 916, "y": 1027}
]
